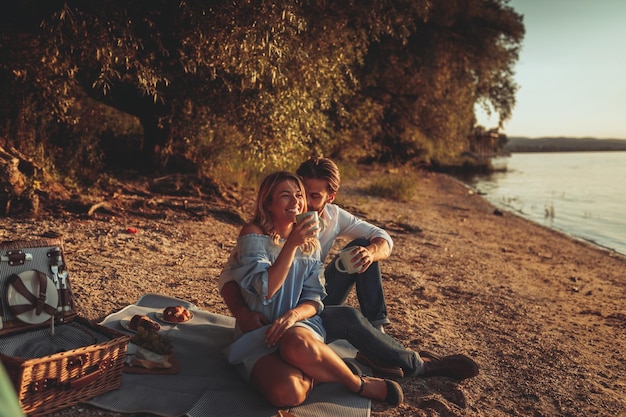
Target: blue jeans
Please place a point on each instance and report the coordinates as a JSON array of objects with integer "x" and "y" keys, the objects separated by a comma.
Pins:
[
  {"x": 369, "y": 288},
  {"x": 345, "y": 322}
]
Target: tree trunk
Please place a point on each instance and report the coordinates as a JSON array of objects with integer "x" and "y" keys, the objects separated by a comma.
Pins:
[
  {"x": 16, "y": 196},
  {"x": 155, "y": 139}
]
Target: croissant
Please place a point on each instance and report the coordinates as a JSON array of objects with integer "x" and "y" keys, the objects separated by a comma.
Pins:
[{"x": 139, "y": 320}]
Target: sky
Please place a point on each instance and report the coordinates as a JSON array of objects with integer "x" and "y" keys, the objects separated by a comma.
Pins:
[{"x": 571, "y": 71}]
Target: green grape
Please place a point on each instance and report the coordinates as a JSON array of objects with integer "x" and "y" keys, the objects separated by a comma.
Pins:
[{"x": 152, "y": 341}]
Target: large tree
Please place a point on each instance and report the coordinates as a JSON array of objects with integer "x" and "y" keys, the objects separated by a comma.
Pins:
[
  {"x": 458, "y": 54},
  {"x": 260, "y": 81}
]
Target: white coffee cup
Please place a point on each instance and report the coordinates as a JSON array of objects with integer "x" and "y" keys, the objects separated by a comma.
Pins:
[
  {"x": 344, "y": 263},
  {"x": 309, "y": 217}
]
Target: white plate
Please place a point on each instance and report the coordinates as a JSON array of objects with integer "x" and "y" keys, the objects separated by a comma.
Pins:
[
  {"x": 125, "y": 323},
  {"x": 31, "y": 282},
  {"x": 159, "y": 316}
]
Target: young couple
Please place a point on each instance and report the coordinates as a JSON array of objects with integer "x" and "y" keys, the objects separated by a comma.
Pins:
[{"x": 286, "y": 309}]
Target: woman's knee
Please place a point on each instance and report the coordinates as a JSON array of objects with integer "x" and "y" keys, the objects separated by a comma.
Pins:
[{"x": 297, "y": 345}]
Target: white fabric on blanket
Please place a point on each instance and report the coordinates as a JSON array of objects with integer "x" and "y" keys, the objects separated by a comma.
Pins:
[{"x": 207, "y": 385}]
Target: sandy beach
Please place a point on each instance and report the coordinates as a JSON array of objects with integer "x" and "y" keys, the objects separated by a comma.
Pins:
[{"x": 542, "y": 314}]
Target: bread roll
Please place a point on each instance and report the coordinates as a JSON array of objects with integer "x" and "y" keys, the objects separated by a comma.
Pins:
[{"x": 176, "y": 314}]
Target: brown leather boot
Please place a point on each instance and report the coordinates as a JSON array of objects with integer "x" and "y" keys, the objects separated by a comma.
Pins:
[
  {"x": 454, "y": 366},
  {"x": 378, "y": 368}
]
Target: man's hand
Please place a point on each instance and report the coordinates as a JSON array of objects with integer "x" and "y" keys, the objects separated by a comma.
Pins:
[
  {"x": 247, "y": 320},
  {"x": 364, "y": 257},
  {"x": 361, "y": 258},
  {"x": 251, "y": 320}
]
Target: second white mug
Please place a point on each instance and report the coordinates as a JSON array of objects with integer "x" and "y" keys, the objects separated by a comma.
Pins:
[{"x": 344, "y": 263}]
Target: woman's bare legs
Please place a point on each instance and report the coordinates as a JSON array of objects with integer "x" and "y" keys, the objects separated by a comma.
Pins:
[
  {"x": 286, "y": 377},
  {"x": 301, "y": 349}
]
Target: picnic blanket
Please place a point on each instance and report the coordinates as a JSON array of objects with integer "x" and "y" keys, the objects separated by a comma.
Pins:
[{"x": 207, "y": 385}]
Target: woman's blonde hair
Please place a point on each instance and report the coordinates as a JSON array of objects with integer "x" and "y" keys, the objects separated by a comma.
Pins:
[{"x": 263, "y": 218}]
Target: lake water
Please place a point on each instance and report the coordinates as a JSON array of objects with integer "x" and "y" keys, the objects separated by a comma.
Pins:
[{"x": 582, "y": 194}]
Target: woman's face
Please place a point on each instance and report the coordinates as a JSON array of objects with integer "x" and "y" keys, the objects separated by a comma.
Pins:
[{"x": 287, "y": 201}]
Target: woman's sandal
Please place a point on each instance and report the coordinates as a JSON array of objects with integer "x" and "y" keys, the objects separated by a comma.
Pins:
[{"x": 395, "y": 395}]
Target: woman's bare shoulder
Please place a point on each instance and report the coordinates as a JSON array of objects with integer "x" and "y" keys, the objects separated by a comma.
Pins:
[{"x": 251, "y": 229}]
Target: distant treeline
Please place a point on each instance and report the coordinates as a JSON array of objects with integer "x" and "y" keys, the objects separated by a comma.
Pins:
[{"x": 563, "y": 144}]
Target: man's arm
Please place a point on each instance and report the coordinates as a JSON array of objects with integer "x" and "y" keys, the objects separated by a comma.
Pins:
[
  {"x": 379, "y": 249},
  {"x": 352, "y": 227},
  {"x": 248, "y": 320}
]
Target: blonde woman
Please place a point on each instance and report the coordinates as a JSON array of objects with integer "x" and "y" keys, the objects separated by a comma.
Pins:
[{"x": 277, "y": 265}]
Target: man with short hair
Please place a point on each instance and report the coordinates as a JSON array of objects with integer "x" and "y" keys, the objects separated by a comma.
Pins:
[
  {"x": 364, "y": 330},
  {"x": 370, "y": 243}
]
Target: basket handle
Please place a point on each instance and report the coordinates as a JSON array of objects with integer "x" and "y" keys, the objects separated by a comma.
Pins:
[{"x": 92, "y": 374}]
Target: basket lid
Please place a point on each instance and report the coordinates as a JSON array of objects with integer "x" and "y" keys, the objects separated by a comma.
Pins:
[
  {"x": 23, "y": 265},
  {"x": 32, "y": 296}
]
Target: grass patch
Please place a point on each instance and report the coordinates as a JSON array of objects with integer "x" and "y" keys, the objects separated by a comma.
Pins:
[
  {"x": 347, "y": 170},
  {"x": 399, "y": 187}
]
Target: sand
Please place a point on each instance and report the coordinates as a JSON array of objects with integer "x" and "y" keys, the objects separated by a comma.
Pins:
[{"x": 543, "y": 314}]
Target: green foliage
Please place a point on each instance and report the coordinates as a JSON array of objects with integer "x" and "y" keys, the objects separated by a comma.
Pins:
[
  {"x": 464, "y": 165},
  {"x": 461, "y": 54},
  {"x": 240, "y": 88}
]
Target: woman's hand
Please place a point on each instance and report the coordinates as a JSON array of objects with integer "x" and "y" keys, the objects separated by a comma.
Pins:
[
  {"x": 280, "y": 326},
  {"x": 303, "y": 231}
]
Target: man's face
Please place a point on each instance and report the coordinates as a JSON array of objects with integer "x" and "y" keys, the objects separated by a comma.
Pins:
[{"x": 317, "y": 194}]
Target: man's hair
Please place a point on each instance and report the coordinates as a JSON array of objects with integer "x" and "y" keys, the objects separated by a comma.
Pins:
[{"x": 321, "y": 168}]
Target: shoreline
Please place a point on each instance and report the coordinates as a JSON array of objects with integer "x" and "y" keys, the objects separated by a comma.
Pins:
[
  {"x": 546, "y": 190},
  {"x": 565, "y": 234},
  {"x": 541, "y": 312}
]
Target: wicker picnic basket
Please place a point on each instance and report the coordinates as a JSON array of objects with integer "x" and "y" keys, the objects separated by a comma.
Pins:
[{"x": 54, "y": 357}]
